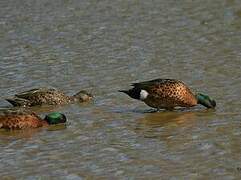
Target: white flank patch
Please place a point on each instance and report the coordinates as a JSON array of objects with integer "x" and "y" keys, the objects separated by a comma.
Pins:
[{"x": 143, "y": 94}]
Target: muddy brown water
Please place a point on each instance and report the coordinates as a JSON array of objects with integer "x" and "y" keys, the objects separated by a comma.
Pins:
[{"x": 103, "y": 46}]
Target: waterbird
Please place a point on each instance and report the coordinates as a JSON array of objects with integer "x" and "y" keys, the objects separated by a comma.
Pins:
[
  {"x": 47, "y": 96},
  {"x": 167, "y": 94},
  {"x": 25, "y": 119}
]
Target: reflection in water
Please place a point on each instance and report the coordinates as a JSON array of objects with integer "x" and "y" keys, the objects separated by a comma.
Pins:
[
  {"x": 164, "y": 124},
  {"x": 167, "y": 124},
  {"x": 18, "y": 134},
  {"x": 28, "y": 133},
  {"x": 161, "y": 119}
]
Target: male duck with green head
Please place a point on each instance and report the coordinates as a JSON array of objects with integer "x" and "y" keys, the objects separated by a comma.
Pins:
[
  {"x": 24, "y": 119},
  {"x": 167, "y": 94}
]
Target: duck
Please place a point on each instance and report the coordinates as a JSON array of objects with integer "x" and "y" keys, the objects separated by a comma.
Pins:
[
  {"x": 167, "y": 94},
  {"x": 47, "y": 96},
  {"x": 26, "y": 119}
]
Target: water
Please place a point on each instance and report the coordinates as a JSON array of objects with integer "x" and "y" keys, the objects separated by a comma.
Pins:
[{"x": 103, "y": 46}]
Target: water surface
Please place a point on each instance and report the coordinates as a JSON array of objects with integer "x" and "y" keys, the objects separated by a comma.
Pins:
[{"x": 103, "y": 46}]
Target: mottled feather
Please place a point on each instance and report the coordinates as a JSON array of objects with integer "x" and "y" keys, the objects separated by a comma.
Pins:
[
  {"x": 165, "y": 93},
  {"x": 46, "y": 96},
  {"x": 20, "y": 119}
]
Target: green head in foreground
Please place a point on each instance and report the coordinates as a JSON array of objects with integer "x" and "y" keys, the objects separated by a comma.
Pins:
[
  {"x": 24, "y": 119},
  {"x": 55, "y": 118}
]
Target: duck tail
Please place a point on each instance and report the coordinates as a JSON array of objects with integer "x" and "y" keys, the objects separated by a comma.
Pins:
[{"x": 17, "y": 101}]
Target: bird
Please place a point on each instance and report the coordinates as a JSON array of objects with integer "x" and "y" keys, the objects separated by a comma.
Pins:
[
  {"x": 47, "y": 96},
  {"x": 17, "y": 119},
  {"x": 167, "y": 94}
]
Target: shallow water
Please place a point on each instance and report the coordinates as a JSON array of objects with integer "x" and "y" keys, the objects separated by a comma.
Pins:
[{"x": 103, "y": 46}]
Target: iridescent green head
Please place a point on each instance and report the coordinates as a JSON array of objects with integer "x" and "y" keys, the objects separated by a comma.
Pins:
[
  {"x": 55, "y": 118},
  {"x": 205, "y": 100}
]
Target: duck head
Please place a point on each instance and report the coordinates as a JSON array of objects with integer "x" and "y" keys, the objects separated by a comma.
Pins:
[
  {"x": 55, "y": 118},
  {"x": 205, "y": 100},
  {"x": 83, "y": 96}
]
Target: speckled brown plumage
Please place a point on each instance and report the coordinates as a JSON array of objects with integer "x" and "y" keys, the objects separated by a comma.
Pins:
[
  {"x": 20, "y": 119},
  {"x": 169, "y": 93},
  {"x": 164, "y": 93},
  {"x": 47, "y": 96}
]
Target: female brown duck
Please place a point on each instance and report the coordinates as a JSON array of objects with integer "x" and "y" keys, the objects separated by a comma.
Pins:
[{"x": 47, "y": 96}]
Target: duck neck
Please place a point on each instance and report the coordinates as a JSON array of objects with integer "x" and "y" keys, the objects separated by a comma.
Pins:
[{"x": 72, "y": 99}]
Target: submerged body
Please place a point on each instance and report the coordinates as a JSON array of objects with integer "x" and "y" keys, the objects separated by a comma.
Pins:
[
  {"x": 167, "y": 94},
  {"x": 47, "y": 96},
  {"x": 24, "y": 119}
]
